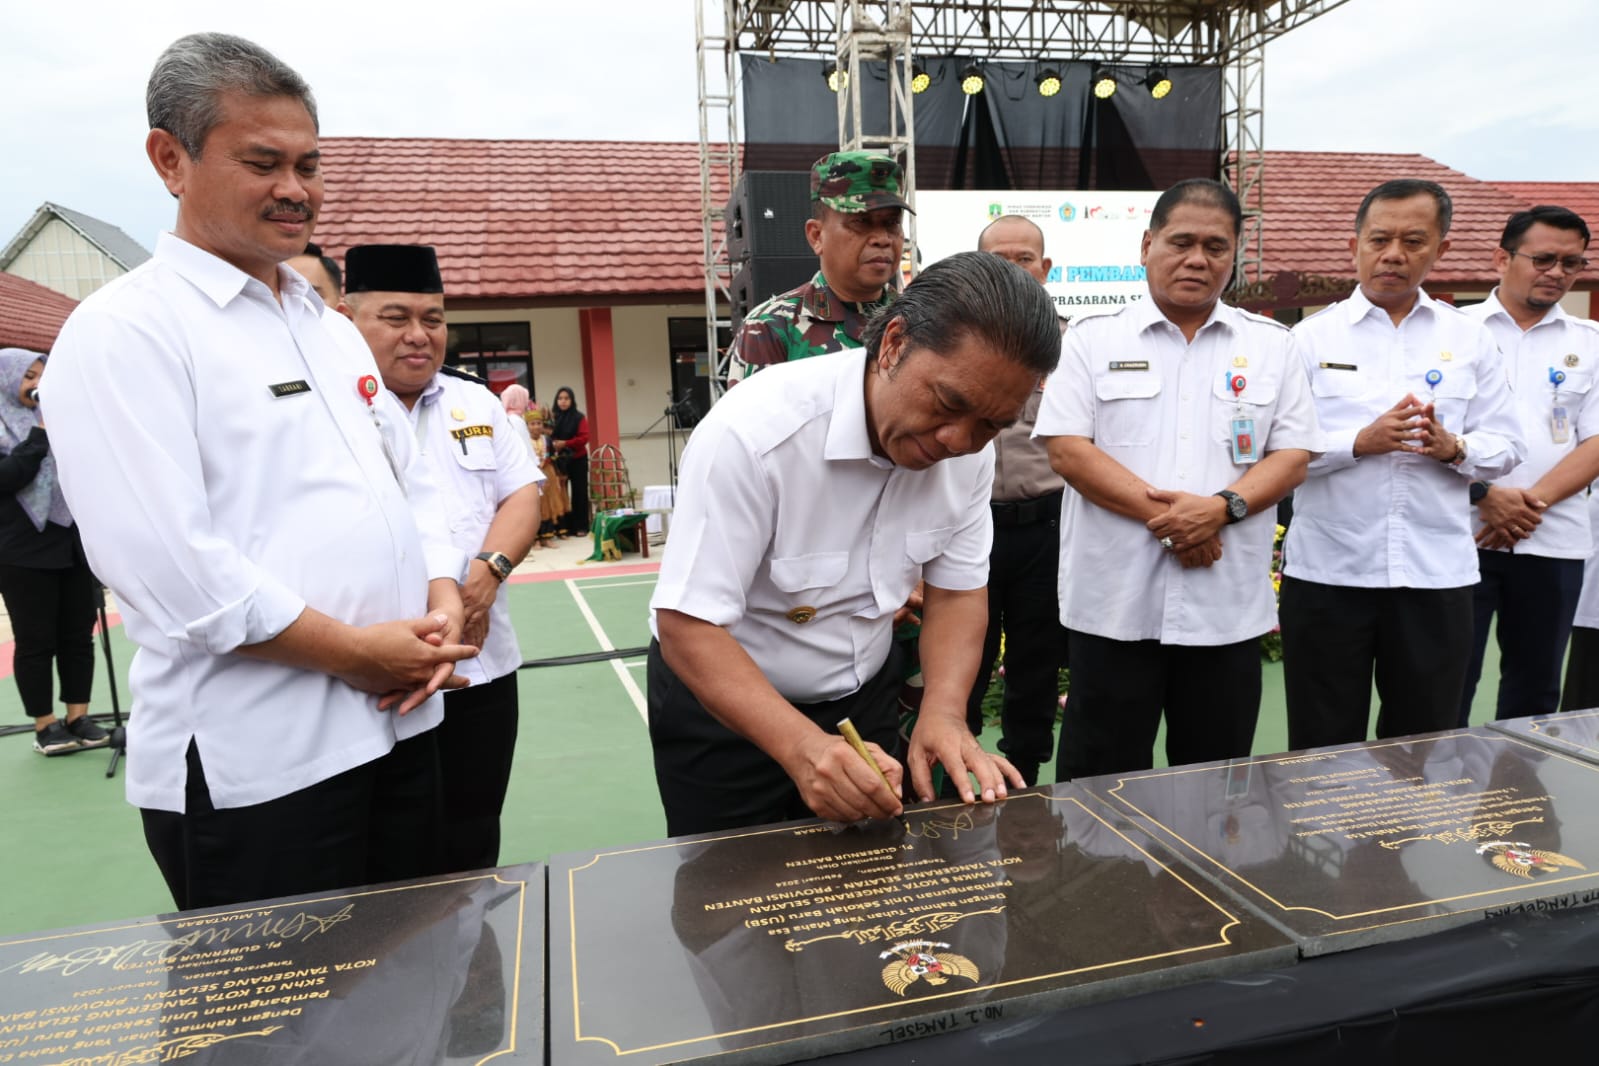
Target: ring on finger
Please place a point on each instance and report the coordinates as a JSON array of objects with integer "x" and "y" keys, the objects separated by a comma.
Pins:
[{"x": 1166, "y": 542}]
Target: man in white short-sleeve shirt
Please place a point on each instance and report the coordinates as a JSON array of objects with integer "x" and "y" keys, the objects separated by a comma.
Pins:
[
  {"x": 1379, "y": 562},
  {"x": 223, "y": 449},
  {"x": 811, "y": 500},
  {"x": 1532, "y": 525},
  {"x": 1179, "y": 422},
  {"x": 486, "y": 476}
]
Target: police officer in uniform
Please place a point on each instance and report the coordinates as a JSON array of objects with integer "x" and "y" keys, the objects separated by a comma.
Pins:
[
  {"x": 855, "y": 229},
  {"x": 395, "y": 296}
]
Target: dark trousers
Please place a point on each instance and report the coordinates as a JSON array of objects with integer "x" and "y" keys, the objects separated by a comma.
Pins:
[
  {"x": 52, "y": 618},
  {"x": 1024, "y": 605},
  {"x": 710, "y": 778},
  {"x": 380, "y": 821},
  {"x": 1416, "y": 641},
  {"x": 1210, "y": 695},
  {"x": 476, "y": 745},
  {"x": 1582, "y": 671},
  {"x": 1536, "y": 599},
  {"x": 577, "y": 471}
]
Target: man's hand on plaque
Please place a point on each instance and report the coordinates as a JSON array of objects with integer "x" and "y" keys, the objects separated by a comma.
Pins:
[
  {"x": 837, "y": 784},
  {"x": 945, "y": 740}
]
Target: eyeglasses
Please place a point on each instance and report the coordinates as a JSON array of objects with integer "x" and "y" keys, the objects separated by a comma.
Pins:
[{"x": 1571, "y": 264}]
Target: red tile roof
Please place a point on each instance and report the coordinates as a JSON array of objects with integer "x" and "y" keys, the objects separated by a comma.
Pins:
[
  {"x": 520, "y": 219},
  {"x": 30, "y": 314},
  {"x": 573, "y": 220},
  {"x": 1311, "y": 199},
  {"x": 1579, "y": 196}
]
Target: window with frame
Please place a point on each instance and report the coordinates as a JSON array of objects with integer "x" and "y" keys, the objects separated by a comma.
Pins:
[{"x": 501, "y": 353}]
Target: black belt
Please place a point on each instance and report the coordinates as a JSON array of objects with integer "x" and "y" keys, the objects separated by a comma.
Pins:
[{"x": 1026, "y": 512}]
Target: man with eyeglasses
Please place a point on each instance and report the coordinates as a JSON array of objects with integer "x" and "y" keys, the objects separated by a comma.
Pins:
[
  {"x": 855, "y": 229},
  {"x": 1379, "y": 564},
  {"x": 1532, "y": 525}
]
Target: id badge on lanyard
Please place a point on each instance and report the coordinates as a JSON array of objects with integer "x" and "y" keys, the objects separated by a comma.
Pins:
[
  {"x": 1242, "y": 433},
  {"x": 1559, "y": 417}
]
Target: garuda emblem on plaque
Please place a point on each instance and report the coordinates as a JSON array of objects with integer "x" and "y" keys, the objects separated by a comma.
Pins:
[
  {"x": 1525, "y": 861},
  {"x": 916, "y": 960}
]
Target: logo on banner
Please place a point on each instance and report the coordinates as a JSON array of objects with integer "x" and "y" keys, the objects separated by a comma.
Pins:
[
  {"x": 1068, "y": 212},
  {"x": 995, "y": 210}
]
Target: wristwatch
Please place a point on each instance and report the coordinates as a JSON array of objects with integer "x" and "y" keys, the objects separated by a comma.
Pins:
[
  {"x": 1479, "y": 492},
  {"x": 1237, "y": 506},
  {"x": 498, "y": 563},
  {"x": 1460, "y": 451}
]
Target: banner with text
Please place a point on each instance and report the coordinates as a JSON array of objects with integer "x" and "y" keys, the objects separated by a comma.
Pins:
[{"x": 1093, "y": 238}]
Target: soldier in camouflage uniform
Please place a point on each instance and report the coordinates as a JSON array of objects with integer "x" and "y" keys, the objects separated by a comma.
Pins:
[{"x": 856, "y": 210}]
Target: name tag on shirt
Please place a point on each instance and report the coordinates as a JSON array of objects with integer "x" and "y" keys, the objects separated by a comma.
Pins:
[
  {"x": 1129, "y": 364},
  {"x": 1560, "y": 425},
  {"x": 1243, "y": 437},
  {"x": 289, "y": 388},
  {"x": 1338, "y": 366}
]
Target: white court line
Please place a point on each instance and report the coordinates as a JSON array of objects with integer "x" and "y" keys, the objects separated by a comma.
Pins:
[
  {"x": 594, "y": 583},
  {"x": 606, "y": 645}
]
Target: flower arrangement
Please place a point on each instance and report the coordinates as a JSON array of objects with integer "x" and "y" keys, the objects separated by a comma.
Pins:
[{"x": 1271, "y": 645}]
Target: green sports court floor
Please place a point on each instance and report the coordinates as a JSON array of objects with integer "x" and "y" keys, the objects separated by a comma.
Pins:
[{"x": 73, "y": 853}]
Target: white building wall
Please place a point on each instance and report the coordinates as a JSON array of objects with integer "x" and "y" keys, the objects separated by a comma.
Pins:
[
  {"x": 61, "y": 258},
  {"x": 643, "y": 371}
]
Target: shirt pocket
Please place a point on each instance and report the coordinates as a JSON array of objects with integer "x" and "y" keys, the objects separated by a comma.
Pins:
[
  {"x": 799, "y": 573},
  {"x": 1258, "y": 402},
  {"x": 471, "y": 481},
  {"x": 1344, "y": 398},
  {"x": 1450, "y": 398},
  {"x": 1126, "y": 409}
]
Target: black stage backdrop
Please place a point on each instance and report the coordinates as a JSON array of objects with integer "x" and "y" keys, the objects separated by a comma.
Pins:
[{"x": 1008, "y": 136}]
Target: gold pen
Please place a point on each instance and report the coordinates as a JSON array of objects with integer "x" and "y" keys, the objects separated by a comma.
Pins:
[{"x": 846, "y": 728}]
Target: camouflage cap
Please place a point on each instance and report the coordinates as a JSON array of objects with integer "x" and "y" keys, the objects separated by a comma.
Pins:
[{"x": 853, "y": 182}]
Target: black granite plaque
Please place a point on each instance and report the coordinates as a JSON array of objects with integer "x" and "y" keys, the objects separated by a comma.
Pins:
[
  {"x": 1369, "y": 843},
  {"x": 794, "y": 941},
  {"x": 447, "y": 970},
  {"x": 1574, "y": 732}
]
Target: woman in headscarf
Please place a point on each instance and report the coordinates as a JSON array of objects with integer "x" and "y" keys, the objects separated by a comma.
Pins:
[
  {"x": 552, "y": 497},
  {"x": 569, "y": 437},
  {"x": 45, "y": 581}
]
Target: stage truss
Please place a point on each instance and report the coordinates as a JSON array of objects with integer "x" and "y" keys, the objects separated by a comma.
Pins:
[{"x": 1232, "y": 34}]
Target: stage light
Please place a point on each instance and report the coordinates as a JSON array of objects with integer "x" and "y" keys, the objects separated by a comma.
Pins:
[
  {"x": 1158, "y": 82},
  {"x": 837, "y": 79},
  {"x": 971, "y": 80},
  {"x": 1048, "y": 81},
  {"x": 920, "y": 79},
  {"x": 1104, "y": 83}
]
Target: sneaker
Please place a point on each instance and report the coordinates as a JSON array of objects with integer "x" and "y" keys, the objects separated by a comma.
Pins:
[
  {"x": 89, "y": 735},
  {"x": 54, "y": 739}
]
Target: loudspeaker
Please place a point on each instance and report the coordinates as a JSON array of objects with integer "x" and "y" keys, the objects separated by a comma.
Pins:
[
  {"x": 765, "y": 276},
  {"x": 766, "y": 214}
]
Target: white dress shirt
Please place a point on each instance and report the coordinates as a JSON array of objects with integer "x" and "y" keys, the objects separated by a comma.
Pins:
[
  {"x": 478, "y": 460},
  {"x": 1566, "y": 348},
  {"x": 218, "y": 508},
  {"x": 1163, "y": 408},
  {"x": 1400, "y": 519},
  {"x": 781, "y": 505}
]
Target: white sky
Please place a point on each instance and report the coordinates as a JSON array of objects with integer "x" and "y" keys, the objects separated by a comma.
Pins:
[{"x": 1496, "y": 89}]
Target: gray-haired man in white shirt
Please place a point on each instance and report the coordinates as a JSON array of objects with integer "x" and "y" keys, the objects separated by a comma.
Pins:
[{"x": 224, "y": 451}]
